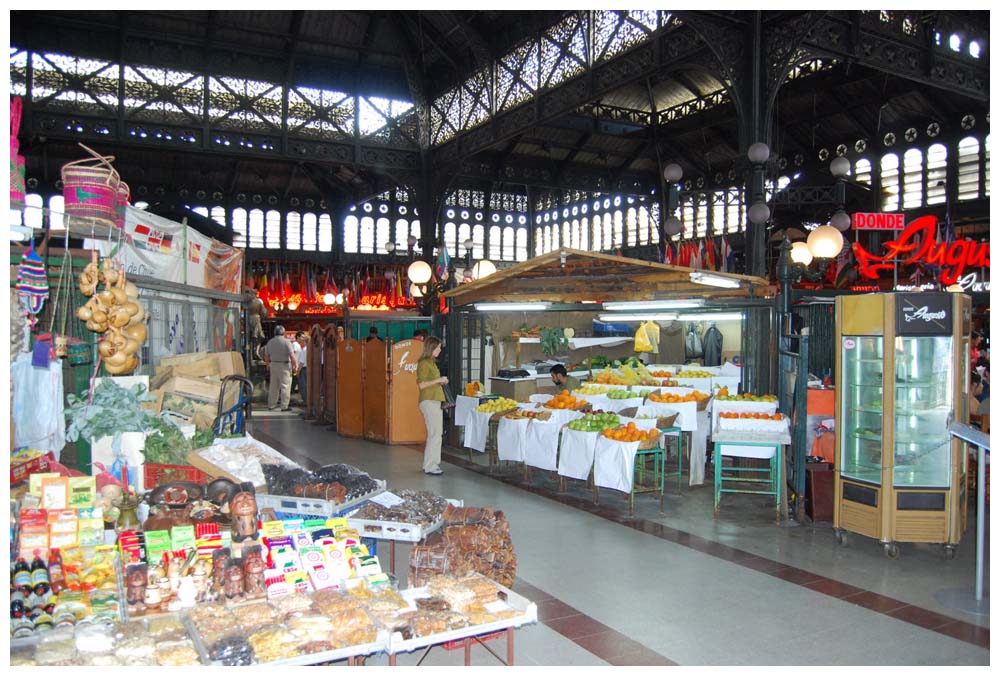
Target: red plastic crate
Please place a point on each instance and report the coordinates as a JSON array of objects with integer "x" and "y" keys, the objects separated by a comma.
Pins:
[
  {"x": 154, "y": 474},
  {"x": 460, "y": 643},
  {"x": 21, "y": 471}
]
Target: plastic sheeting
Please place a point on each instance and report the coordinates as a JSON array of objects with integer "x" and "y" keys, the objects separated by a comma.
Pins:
[{"x": 38, "y": 405}]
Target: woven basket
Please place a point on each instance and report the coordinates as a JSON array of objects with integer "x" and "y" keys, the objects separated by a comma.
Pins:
[
  {"x": 649, "y": 443},
  {"x": 666, "y": 421},
  {"x": 703, "y": 403},
  {"x": 91, "y": 188}
]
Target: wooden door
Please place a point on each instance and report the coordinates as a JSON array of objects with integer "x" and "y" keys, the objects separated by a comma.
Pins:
[
  {"x": 350, "y": 388},
  {"x": 328, "y": 409},
  {"x": 406, "y": 424},
  {"x": 376, "y": 387},
  {"x": 314, "y": 371}
]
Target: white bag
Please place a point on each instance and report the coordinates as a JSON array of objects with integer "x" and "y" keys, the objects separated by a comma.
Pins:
[{"x": 38, "y": 405}]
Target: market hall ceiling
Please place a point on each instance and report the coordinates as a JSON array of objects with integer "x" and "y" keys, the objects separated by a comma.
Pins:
[{"x": 588, "y": 100}]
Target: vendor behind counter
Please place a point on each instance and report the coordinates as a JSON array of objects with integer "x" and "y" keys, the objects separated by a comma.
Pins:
[{"x": 562, "y": 380}]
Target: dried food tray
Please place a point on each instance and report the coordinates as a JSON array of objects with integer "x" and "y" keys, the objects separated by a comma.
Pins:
[
  {"x": 529, "y": 610},
  {"x": 314, "y": 506},
  {"x": 379, "y": 645},
  {"x": 394, "y": 530}
]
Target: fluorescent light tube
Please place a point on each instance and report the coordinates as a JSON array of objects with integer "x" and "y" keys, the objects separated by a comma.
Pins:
[
  {"x": 512, "y": 307},
  {"x": 715, "y": 280},
  {"x": 711, "y": 317},
  {"x": 20, "y": 233},
  {"x": 655, "y": 304},
  {"x": 652, "y": 316}
]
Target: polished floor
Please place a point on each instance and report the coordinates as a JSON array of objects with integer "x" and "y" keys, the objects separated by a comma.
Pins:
[{"x": 681, "y": 587}]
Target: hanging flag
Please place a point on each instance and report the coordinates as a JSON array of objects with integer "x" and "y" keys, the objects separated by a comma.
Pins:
[
  {"x": 710, "y": 263},
  {"x": 668, "y": 254},
  {"x": 443, "y": 262},
  {"x": 696, "y": 256}
]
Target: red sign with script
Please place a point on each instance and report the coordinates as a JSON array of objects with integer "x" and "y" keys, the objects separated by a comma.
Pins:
[
  {"x": 863, "y": 221},
  {"x": 918, "y": 244}
]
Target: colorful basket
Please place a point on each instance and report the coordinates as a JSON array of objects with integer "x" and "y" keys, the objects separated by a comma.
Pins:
[{"x": 92, "y": 189}]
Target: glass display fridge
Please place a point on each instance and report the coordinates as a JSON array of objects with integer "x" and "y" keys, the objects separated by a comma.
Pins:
[{"x": 903, "y": 362}]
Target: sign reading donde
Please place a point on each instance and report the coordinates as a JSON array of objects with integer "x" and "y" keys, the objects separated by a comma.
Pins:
[
  {"x": 917, "y": 243},
  {"x": 863, "y": 221}
]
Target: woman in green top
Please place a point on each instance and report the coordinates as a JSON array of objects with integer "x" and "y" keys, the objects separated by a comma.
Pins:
[{"x": 430, "y": 380}]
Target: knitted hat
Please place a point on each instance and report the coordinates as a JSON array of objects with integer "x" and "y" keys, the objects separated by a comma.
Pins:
[{"x": 32, "y": 282}]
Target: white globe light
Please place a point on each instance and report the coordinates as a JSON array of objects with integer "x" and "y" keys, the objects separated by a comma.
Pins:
[
  {"x": 416, "y": 292},
  {"x": 339, "y": 299},
  {"x": 825, "y": 242},
  {"x": 329, "y": 299},
  {"x": 801, "y": 253},
  {"x": 419, "y": 272},
  {"x": 840, "y": 220},
  {"x": 672, "y": 226},
  {"x": 467, "y": 245},
  {"x": 758, "y": 153},
  {"x": 411, "y": 241},
  {"x": 840, "y": 166},
  {"x": 759, "y": 213},
  {"x": 483, "y": 269},
  {"x": 293, "y": 305},
  {"x": 673, "y": 173},
  {"x": 389, "y": 247}
]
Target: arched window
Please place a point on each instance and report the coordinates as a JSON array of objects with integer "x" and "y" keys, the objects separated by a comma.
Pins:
[
  {"x": 326, "y": 232},
  {"x": 607, "y": 240},
  {"x": 201, "y": 211},
  {"x": 574, "y": 239},
  {"x": 415, "y": 232},
  {"x": 255, "y": 234},
  {"x": 351, "y": 225},
  {"x": 631, "y": 235},
  {"x": 218, "y": 214},
  {"x": 584, "y": 228},
  {"x": 239, "y": 227},
  {"x": 521, "y": 247},
  {"x": 596, "y": 236},
  {"x": 33, "y": 211},
  {"x": 863, "y": 171},
  {"x": 272, "y": 229},
  {"x": 688, "y": 219},
  {"x": 402, "y": 232},
  {"x": 293, "y": 231},
  {"x": 937, "y": 160},
  {"x": 56, "y": 206},
  {"x": 547, "y": 247},
  {"x": 309, "y": 232},
  {"x": 382, "y": 235},
  {"x": 567, "y": 234},
  {"x": 464, "y": 233},
  {"x": 654, "y": 223},
  {"x": 618, "y": 231},
  {"x": 367, "y": 238},
  {"x": 494, "y": 242},
  {"x": 449, "y": 236},
  {"x": 890, "y": 182},
  {"x": 913, "y": 178},
  {"x": 643, "y": 224},
  {"x": 478, "y": 236},
  {"x": 508, "y": 243},
  {"x": 701, "y": 216},
  {"x": 539, "y": 242},
  {"x": 968, "y": 168},
  {"x": 986, "y": 178},
  {"x": 718, "y": 213}
]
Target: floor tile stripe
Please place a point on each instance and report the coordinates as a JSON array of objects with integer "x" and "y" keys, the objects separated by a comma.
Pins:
[{"x": 900, "y": 610}]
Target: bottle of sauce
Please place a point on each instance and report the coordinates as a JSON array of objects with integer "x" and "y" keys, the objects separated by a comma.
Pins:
[
  {"x": 57, "y": 579},
  {"x": 22, "y": 576},
  {"x": 39, "y": 575}
]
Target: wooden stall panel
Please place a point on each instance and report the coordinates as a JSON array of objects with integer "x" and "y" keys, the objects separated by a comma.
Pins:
[
  {"x": 406, "y": 424},
  {"x": 314, "y": 376},
  {"x": 328, "y": 406},
  {"x": 376, "y": 389},
  {"x": 350, "y": 372}
]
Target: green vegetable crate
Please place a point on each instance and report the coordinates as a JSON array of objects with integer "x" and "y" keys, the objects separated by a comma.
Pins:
[{"x": 155, "y": 474}]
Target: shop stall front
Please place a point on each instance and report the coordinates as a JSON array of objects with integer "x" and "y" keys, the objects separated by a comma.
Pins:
[{"x": 583, "y": 310}]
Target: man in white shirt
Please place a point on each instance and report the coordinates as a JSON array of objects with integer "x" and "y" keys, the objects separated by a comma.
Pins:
[
  {"x": 280, "y": 359},
  {"x": 302, "y": 341}
]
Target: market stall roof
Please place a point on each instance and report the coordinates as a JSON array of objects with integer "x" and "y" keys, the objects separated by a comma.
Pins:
[{"x": 573, "y": 276}]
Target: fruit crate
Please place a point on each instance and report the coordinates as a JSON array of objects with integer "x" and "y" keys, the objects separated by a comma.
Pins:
[{"x": 154, "y": 474}]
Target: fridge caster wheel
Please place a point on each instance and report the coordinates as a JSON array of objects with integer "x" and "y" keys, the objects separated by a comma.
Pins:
[
  {"x": 891, "y": 550},
  {"x": 949, "y": 552},
  {"x": 841, "y": 536}
]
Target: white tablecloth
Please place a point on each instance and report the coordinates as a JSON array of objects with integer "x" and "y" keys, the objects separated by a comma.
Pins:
[
  {"x": 614, "y": 464},
  {"x": 561, "y": 416},
  {"x": 576, "y": 453},
  {"x": 541, "y": 444},
  {"x": 477, "y": 426},
  {"x": 700, "y": 384},
  {"x": 687, "y": 413},
  {"x": 732, "y": 382},
  {"x": 463, "y": 407},
  {"x": 511, "y": 435},
  {"x": 641, "y": 423},
  {"x": 696, "y": 450},
  {"x": 539, "y": 398},
  {"x": 599, "y": 402},
  {"x": 718, "y": 406},
  {"x": 615, "y": 405}
]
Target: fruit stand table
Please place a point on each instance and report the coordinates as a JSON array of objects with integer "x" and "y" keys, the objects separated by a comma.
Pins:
[{"x": 759, "y": 445}]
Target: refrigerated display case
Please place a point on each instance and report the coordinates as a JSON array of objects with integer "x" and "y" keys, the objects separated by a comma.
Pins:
[{"x": 903, "y": 366}]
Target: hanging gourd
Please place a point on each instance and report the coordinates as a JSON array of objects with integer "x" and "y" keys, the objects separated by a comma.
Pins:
[{"x": 115, "y": 312}]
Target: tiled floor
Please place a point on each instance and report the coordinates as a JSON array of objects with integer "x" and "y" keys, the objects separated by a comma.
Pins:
[{"x": 682, "y": 587}]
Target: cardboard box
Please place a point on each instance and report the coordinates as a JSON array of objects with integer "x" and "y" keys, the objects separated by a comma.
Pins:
[
  {"x": 230, "y": 364},
  {"x": 206, "y": 390}
]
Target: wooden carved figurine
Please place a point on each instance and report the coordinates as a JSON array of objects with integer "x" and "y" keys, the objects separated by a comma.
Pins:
[
  {"x": 253, "y": 571},
  {"x": 243, "y": 508},
  {"x": 220, "y": 559},
  {"x": 135, "y": 581},
  {"x": 234, "y": 580}
]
